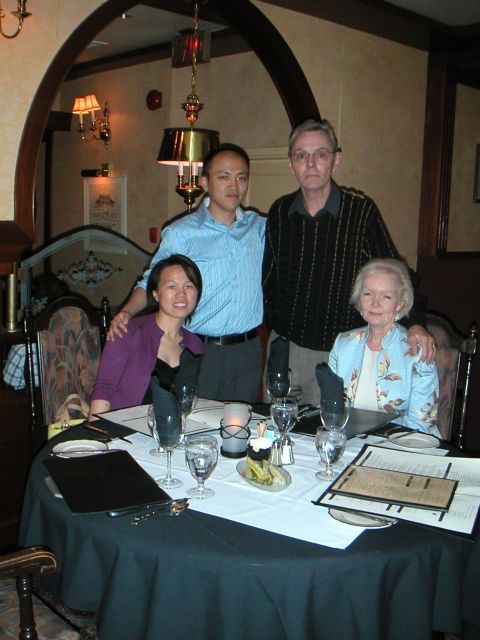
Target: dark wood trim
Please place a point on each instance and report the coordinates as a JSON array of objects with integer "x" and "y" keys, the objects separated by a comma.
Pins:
[
  {"x": 260, "y": 34},
  {"x": 437, "y": 160},
  {"x": 223, "y": 43}
]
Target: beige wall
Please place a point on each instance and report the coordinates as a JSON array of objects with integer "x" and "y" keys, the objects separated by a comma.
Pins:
[
  {"x": 372, "y": 90},
  {"x": 24, "y": 62},
  {"x": 464, "y": 213}
]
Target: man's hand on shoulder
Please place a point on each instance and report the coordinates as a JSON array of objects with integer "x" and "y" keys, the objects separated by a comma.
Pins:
[
  {"x": 417, "y": 337},
  {"x": 118, "y": 325}
]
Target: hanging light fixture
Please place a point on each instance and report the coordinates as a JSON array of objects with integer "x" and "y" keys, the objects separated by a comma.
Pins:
[
  {"x": 185, "y": 147},
  {"x": 99, "y": 128},
  {"x": 20, "y": 14}
]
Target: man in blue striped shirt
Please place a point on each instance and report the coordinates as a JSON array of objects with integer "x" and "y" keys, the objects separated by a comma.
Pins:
[{"x": 227, "y": 244}]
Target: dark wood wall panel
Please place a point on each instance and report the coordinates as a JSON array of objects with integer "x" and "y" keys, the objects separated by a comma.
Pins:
[{"x": 452, "y": 286}]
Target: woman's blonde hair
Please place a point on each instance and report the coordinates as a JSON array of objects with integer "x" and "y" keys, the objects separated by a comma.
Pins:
[{"x": 396, "y": 268}]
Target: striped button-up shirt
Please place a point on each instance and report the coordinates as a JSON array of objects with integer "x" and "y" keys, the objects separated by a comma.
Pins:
[{"x": 230, "y": 261}]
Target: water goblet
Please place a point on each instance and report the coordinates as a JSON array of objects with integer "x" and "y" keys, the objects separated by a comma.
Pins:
[
  {"x": 278, "y": 384},
  {"x": 186, "y": 395},
  {"x": 330, "y": 444},
  {"x": 153, "y": 427},
  {"x": 284, "y": 412},
  {"x": 335, "y": 413},
  {"x": 168, "y": 430},
  {"x": 201, "y": 455}
]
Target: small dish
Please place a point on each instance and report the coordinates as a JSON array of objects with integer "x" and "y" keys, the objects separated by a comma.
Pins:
[
  {"x": 415, "y": 440},
  {"x": 78, "y": 448},
  {"x": 241, "y": 468},
  {"x": 358, "y": 519}
]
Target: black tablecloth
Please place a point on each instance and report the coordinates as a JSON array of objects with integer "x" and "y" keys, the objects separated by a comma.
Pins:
[{"x": 201, "y": 577}]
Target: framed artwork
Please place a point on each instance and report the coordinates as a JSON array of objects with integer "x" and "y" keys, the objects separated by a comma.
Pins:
[
  {"x": 476, "y": 188},
  {"x": 105, "y": 204}
]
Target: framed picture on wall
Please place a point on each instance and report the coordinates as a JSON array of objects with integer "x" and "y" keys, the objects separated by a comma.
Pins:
[
  {"x": 476, "y": 188},
  {"x": 105, "y": 204}
]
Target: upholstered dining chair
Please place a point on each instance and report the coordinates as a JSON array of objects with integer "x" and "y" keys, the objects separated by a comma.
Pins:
[
  {"x": 453, "y": 358},
  {"x": 67, "y": 336},
  {"x": 34, "y": 606}
]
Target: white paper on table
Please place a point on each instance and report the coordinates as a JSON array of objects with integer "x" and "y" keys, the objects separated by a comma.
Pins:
[
  {"x": 463, "y": 511},
  {"x": 205, "y": 417}
]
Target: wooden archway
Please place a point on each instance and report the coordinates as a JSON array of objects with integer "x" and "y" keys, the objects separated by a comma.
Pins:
[{"x": 248, "y": 21}]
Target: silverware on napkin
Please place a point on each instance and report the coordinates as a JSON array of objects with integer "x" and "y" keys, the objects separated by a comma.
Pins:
[
  {"x": 175, "y": 509},
  {"x": 156, "y": 504}
]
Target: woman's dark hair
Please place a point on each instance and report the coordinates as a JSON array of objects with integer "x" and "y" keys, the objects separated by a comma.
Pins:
[{"x": 175, "y": 260}]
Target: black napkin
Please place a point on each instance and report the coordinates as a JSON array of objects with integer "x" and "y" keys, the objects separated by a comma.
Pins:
[
  {"x": 277, "y": 361},
  {"x": 164, "y": 402},
  {"x": 331, "y": 385},
  {"x": 189, "y": 369}
]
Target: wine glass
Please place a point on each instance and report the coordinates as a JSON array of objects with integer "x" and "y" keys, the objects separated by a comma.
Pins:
[
  {"x": 186, "y": 395},
  {"x": 335, "y": 413},
  {"x": 201, "y": 455},
  {"x": 168, "y": 430},
  {"x": 284, "y": 412},
  {"x": 278, "y": 384},
  {"x": 330, "y": 444},
  {"x": 151, "y": 423}
]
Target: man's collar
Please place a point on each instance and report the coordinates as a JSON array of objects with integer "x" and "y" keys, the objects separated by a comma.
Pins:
[
  {"x": 332, "y": 204},
  {"x": 204, "y": 213}
]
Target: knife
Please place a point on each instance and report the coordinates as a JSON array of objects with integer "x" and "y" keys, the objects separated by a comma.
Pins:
[
  {"x": 90, "y": 427},
  {"x": 125, "y": 511}
]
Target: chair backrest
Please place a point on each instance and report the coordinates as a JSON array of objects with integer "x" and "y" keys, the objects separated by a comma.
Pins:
[
  {"x": 453, "y": 360},
  {"x": 68, "y": 341}
]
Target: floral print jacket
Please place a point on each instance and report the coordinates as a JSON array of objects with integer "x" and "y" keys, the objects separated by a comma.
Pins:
[{"x": 405, "y": 384}]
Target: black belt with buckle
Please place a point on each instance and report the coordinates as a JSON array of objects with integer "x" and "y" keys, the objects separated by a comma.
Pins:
[{"x": 233, "y": 338}]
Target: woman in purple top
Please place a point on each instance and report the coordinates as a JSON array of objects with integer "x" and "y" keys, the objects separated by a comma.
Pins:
[{"x": 154, "y": 342}]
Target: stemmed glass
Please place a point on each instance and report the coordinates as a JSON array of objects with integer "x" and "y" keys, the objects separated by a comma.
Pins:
[
  {"x": 201, "y": 455},
  {"x": 284, "y": 412},
  {"x": 278, "y": 384},
  {"x": 186, "y": 395},
  {"x": 168, "y": 429},
  {"x": 330, "y": 444},
  {"x": 151, "y": 423},
  {"x": 335, "y": 413}
]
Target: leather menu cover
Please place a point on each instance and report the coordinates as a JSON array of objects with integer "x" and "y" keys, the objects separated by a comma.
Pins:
[{"x": 103, "y": 482}]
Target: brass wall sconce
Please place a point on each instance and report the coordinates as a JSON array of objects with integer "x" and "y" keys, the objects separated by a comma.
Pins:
[
  {"x": 20, "y": 14},
  {"x": 99, "y": 129}
]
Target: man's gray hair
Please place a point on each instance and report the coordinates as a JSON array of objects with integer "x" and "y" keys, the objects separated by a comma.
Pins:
[
  {"x": 314, "y": 125},
  {"x": 396, "y": 268}
]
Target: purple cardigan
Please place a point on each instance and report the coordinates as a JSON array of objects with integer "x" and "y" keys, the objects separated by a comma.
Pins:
[{"x": 127, "y": 363}]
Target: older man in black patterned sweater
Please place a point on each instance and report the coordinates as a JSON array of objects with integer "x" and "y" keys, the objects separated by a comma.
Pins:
[{"x": 316, "y": 241}]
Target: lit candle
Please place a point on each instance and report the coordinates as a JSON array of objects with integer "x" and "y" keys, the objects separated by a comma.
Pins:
[
  {"x": 234, "y": 431},
  {"x": 195, "y": 168},
  {"x": 180, "y": 168}
]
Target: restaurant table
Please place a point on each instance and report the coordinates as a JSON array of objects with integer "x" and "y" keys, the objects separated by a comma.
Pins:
[{"x": 198, "y": 576}]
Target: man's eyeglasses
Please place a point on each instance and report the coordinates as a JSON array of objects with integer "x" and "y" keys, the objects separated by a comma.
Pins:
[{"x": 321, "y": 155}]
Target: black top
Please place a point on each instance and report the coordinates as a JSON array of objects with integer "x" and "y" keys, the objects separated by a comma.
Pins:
[{"x": 165, "y": 373}]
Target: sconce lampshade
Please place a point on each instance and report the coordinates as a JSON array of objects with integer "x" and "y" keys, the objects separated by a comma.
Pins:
[
  {"x": 91, "y": 103},
  {"x": 79, "y": 106},
  {"x": 187, "y": 145}
]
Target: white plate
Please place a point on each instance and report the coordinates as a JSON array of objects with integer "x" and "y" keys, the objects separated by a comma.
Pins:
[
  {"x": 78, "y": 448},
  {"x": 358, "y": 519},
  {"x": 241, "y": 467},
  {"x": 415, "y": 440}
]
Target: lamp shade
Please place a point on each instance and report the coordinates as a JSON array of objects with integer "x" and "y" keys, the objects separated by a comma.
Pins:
[
  {"x": 79, "y": 106},
  {"x": 91, "y": 103},
  {"x": 187, "y": 145}
]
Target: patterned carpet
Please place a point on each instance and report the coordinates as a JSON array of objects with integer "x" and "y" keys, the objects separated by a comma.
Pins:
[{"x": 49, "y": 625}]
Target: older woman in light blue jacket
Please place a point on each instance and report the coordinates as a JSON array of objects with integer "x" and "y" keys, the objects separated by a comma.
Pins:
[{"x": 376, "y": 363}]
